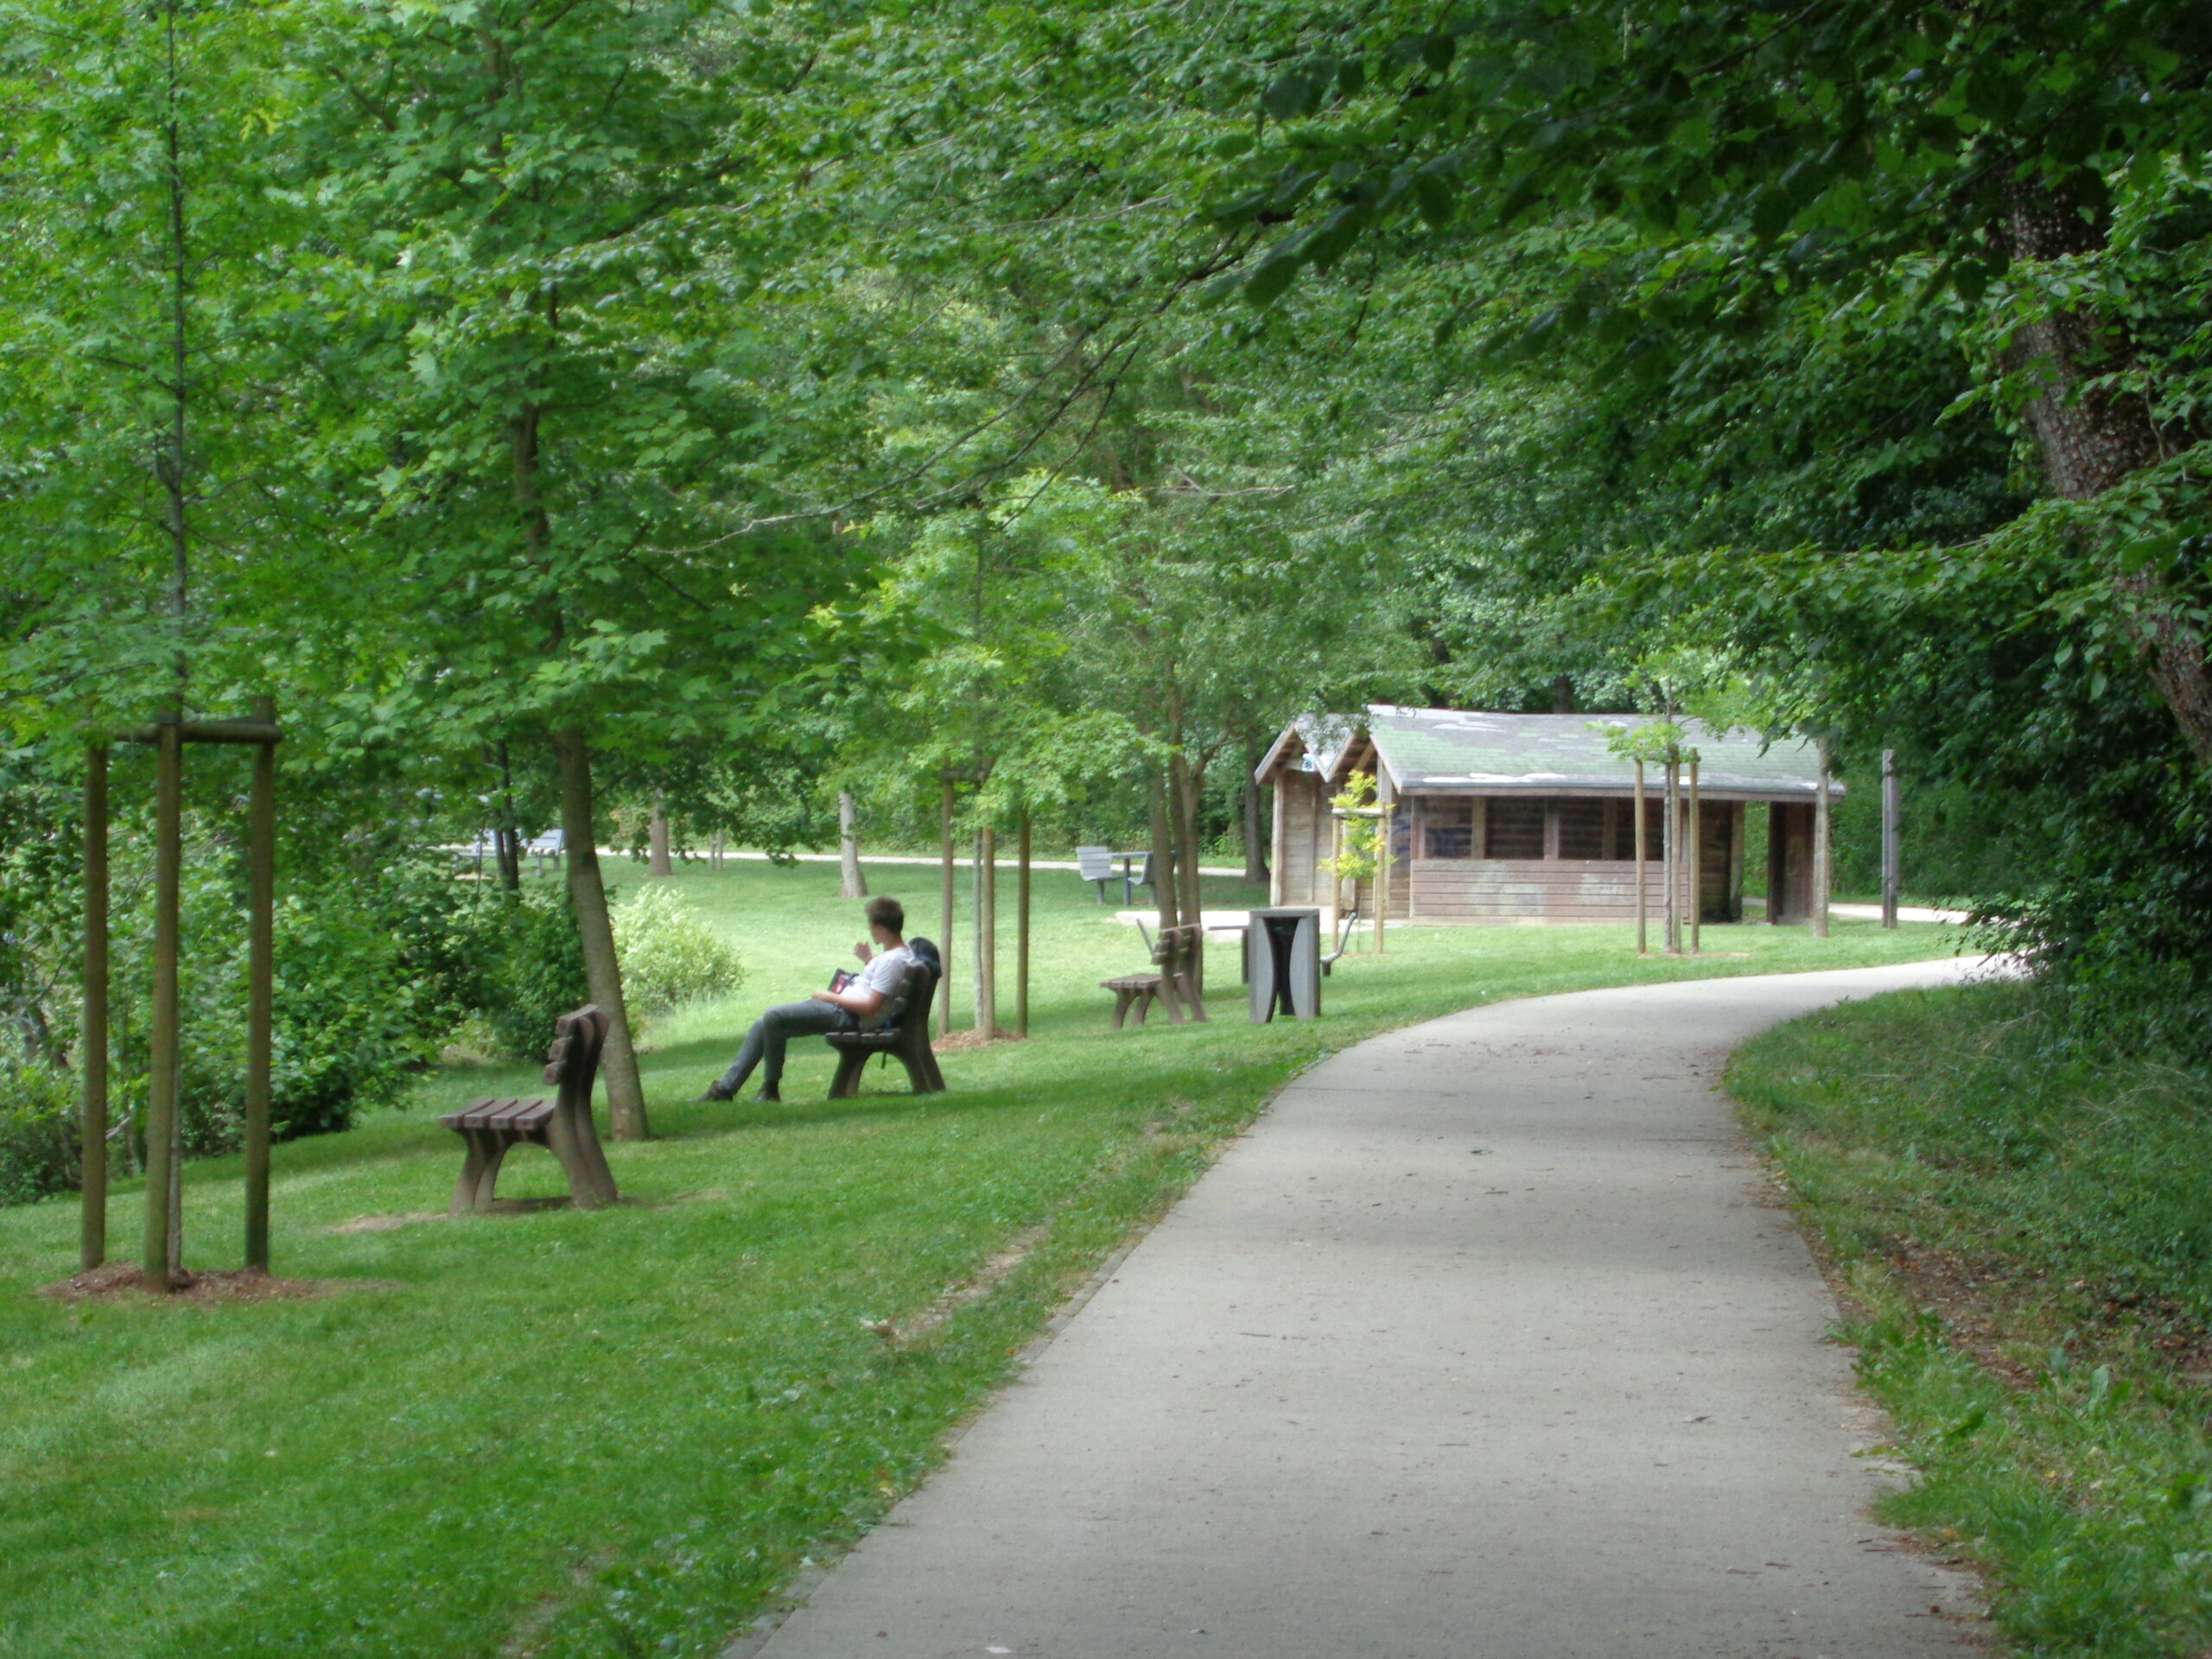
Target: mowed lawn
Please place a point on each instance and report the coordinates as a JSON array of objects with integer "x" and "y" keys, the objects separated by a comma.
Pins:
[{"x": 550, "y": 1431}]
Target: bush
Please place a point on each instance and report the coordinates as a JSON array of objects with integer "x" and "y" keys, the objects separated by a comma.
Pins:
[
  {"x": 669, "y": 956},
  {"x": 38, "y": 1130},
  {"x": 530, "y": 967}
]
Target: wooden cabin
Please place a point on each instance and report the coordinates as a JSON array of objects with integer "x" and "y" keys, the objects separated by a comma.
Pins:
[{"x": 1505, "y": 818}]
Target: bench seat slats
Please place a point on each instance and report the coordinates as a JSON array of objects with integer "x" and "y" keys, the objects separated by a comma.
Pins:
[{"x": 500, "y": 1112}]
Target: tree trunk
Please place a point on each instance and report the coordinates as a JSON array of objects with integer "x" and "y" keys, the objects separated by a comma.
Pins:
[
  {"x": 2089, "y": 438},
  {"x": 509, "y": 837},
  {"x": 1184, "y": 783},
  {"x": 1562, "y": 694},
  {"x": 853, "y": 884},
  {"x": 1256, "y": 823},
  {"x": 625, "y": 1094},
  {"x": 1163, "y": 850},
  {"x": 657, "y": 859}
]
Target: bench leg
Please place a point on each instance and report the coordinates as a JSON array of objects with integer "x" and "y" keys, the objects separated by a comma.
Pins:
[
  {"x": 1169, "y": 995},
  {"x": 851, "y": 1062},
  {"x": 562, "y": 1140},
  {"x": 593, "y": 1158},
  {"x": 479, "y": 1171},
  {"x": 1121, "y": 1001},
  {"x": 471, "y": 1171},
  {"x": 921, "y": 1069}
]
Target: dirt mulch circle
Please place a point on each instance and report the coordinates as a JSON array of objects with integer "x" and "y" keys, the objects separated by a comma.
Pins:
[
  {"x": 960, "y": 1039},
  {"x": 122, "y": 1279}
]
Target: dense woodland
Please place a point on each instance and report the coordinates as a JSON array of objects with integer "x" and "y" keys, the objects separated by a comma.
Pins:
[{"x": 615, "y": 412}]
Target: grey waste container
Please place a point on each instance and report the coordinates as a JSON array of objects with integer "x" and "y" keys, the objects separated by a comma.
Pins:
[{"x": 1285, "y": 952}]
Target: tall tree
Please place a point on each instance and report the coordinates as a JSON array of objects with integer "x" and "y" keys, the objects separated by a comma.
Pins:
[{"x": 546, "y": 396}]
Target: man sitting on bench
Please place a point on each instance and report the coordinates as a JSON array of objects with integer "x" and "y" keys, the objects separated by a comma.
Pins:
[{"x": 860, "y": 1002}]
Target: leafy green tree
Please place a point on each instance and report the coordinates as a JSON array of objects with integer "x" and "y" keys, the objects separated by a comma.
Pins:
[{"x": 546, "y": 409}]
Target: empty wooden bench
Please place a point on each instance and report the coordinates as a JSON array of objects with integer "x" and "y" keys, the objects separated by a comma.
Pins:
[
  {"x": 562, "y": 1125},
  {"x": 907, "y": 1038},
  {"x": 1177, "y": 955}
]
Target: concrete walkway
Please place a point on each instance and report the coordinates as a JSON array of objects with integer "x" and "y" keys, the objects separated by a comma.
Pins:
[{"x": 1488, "y": 1342}]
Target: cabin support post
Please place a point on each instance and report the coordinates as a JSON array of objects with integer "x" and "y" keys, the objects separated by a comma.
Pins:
[
  {"x": 93, "y": 1047},
  {"x": 1381, "y": 875},
  {"x": 1696, "y": 862},
  {"x": 1890, "y": 867},
  {"x": 1643, "y": 895}
]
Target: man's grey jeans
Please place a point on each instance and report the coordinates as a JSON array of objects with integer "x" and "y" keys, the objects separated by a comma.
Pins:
[{"x": 775, "y": 1028}]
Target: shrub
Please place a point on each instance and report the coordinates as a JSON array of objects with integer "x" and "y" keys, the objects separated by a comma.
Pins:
[
  {"x": 669, "y": 956},
  {"x": 530, "y": 967},
  {"x": 38, "y": 1129}
]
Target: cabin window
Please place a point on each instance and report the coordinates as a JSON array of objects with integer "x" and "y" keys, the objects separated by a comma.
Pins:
[
  {"x": 1447, "y": 829},
  {"x": 1586, "y": 829},
  {"x": 1514, "y": 829}
]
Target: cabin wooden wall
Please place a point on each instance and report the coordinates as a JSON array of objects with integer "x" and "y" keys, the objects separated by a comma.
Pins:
[
  {"x": 1789, "y": 861},
  {"x": 1503, "y": 890},
  {"x": 1303, "y": 840}
]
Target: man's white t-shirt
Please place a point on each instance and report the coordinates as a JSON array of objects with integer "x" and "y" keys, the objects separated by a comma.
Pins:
[{"x": 885, "y": 971}]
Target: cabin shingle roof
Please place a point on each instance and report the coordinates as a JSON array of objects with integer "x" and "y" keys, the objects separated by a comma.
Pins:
[{"x": 1428, "y": 750}]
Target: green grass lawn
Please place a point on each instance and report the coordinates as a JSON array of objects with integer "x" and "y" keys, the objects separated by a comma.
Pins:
[
  {"x": 2022, "y": 1224},
  {"x": 617, "y": 1433}
]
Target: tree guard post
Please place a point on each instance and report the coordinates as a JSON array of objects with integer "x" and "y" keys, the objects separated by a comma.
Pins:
[
  {"x": 1021, "y": 929},
  {"x": 261, "y": 993},
  {"x": 93, "y": 1179},
  {"x": 1822, "y": 876},
  {"x": 945, "y": 945},
  {"x": 987, "y": 931},
  {"x": 1891, "y": 869},
  {"x": 161, "y": 1261},
  {"x": 162, "y": 1080}
]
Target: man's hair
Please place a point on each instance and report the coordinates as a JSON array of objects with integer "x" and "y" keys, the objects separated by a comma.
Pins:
[{"x": 888, "y": 912}]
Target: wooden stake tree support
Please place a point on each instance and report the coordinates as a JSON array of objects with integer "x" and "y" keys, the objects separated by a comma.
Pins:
[
  {"x": 161, "y": 1261},
  {"x": 1823, "y": 875},
  {"x": 1892, "y": 872}
]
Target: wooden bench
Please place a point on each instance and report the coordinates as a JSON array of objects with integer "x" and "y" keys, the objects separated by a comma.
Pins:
[
  {"x": 1178, "y": 955},
  {"x": 562, "y": 1125},
  {"x": 1137, "y": 991},
  {"x": 907, "y": 1036}
]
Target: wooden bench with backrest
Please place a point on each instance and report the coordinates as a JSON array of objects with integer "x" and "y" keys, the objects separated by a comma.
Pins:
[
  {"x": 1176, "y": 955},
  {"x": 906, "y": 1037},
  {"x": 562, "y": 1125}
]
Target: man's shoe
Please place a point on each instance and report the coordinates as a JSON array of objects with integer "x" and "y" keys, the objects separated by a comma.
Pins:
[
  {"x": 768, "y": 1097},
  {"x": 715, "y": 1091}
]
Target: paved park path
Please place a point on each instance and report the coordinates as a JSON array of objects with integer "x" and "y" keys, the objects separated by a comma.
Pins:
[{"x": 1488, "y": 1342}]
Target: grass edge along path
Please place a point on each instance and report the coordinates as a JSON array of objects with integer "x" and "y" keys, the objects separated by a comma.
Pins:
[
  {"x": 2019, "y": 1233},
  {"x": 558, "y": 1434}
]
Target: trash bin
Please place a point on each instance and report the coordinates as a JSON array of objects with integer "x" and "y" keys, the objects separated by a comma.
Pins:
[{"x": 1284, "y": 948}]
